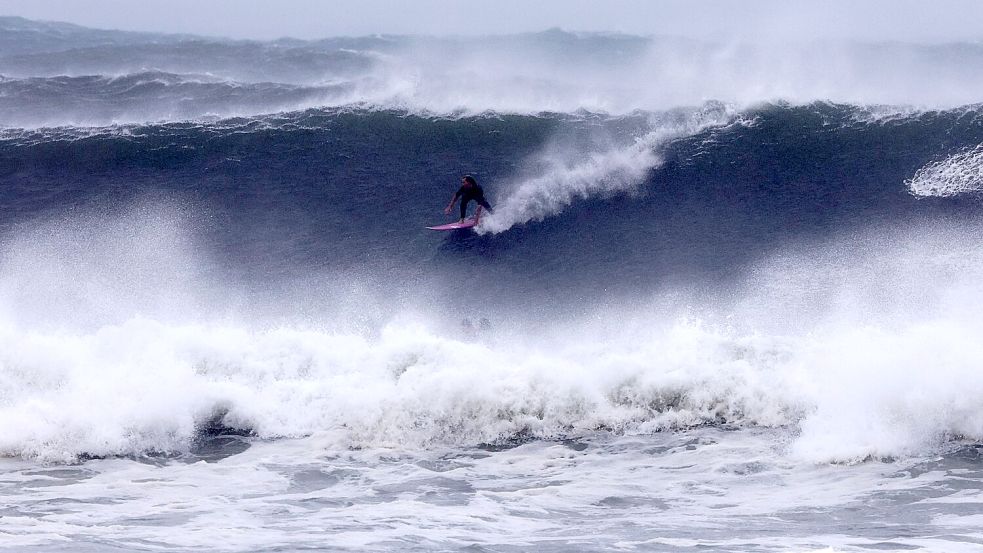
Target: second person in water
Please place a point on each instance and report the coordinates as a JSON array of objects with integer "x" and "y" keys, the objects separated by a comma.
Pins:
[{"x": 468, "y": 191}]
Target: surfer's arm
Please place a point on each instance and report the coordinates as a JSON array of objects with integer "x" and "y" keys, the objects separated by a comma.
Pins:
[{"x": 450, "y": 206}]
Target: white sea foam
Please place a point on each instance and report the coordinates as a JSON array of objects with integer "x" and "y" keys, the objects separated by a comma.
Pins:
[
  {"x": 863, "y": 347},
  {"x": 145, "y": 386},
  {"x": 960, "y": 173},
  {"x": 704, "y": 488}
]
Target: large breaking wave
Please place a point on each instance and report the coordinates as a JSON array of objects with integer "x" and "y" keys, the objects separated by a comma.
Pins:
[{"x": 203, "y": 235}]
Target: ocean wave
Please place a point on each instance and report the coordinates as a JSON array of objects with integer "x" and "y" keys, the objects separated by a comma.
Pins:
[
  {"x": 144, "y": 387},
  {"x": 567, "y": 188},
  {"x": 410, "y": 387},
  {"x": 552, "y": 71},
  {"x": 119, "y": 338},
  {"x": 703, "y": 266},
  {"x": 99, "y": 101}
]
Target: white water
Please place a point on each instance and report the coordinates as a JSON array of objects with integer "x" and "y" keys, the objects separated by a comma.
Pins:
[
  {"x": 719, "y": 490},
  {"x": 960, "y": 173},
  {"x": 865, "y": 346}
]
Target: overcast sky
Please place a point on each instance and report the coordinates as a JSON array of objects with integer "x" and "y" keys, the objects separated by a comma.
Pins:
[{"x": 904, "y": 20}]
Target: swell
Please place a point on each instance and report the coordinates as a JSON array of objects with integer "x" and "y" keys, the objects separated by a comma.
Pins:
[
  {"x": 93, "y": 101},
  {"x": 551, "y": 71}
]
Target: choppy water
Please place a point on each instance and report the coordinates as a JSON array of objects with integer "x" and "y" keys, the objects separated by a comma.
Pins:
[{"x": 706, "y": 489}]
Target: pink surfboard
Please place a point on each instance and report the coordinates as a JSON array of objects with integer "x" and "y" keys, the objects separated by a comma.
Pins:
[{"x": 467, "y": 223}]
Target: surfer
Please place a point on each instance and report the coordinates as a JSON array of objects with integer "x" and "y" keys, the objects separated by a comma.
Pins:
[{"x": 468, "y": 191}]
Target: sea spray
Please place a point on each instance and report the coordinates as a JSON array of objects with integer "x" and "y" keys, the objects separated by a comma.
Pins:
[
  {"x": 898, "y": 381},
  {"x": 565, "y": 175}
]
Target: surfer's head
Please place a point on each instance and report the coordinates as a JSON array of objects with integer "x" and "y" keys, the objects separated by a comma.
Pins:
[{"x": 469, "y": 180}]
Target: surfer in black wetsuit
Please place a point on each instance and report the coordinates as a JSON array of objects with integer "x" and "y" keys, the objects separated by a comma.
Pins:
[{"x": 468, "y": 191}]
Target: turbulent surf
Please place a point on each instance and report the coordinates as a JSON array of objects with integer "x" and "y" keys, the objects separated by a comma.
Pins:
[{"x": 714, "y": 264}]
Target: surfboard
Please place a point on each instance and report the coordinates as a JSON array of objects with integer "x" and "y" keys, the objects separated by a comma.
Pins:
[{"x": 467, "y": 223}]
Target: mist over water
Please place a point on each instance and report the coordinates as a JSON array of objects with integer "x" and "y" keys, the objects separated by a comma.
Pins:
[
  {"x": 729, "y": 293},
  {"x": 84, "y": 78}
]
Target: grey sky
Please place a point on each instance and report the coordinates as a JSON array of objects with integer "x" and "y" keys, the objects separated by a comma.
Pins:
[{"x": 903, "y": 20}]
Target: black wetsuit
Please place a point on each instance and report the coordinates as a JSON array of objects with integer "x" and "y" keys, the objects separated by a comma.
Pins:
[{"x": 468, "y": 193}]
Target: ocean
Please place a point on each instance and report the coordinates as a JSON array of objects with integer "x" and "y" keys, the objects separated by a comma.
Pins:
[{"x": 728, "y": 300}]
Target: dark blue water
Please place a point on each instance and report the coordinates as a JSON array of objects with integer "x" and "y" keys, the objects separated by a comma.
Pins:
[{"x": 346, "y": 188}]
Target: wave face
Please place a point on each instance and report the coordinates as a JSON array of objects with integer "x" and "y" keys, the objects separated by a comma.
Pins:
[
  {"x": 249, "y": 253},
  {"x": 703, "y": 189}
]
